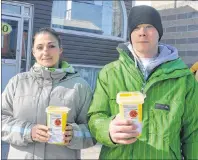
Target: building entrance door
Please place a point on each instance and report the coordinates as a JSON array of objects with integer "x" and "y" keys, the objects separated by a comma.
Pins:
[
  {"x": 16, "y": 29},
  {"x": 10, "y": 48}
]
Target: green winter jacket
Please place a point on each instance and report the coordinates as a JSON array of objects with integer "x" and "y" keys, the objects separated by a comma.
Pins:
[{"x": 165, "y": 132}]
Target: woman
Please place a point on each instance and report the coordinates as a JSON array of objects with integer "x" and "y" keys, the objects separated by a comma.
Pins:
[{"x": 27, "y": 95}]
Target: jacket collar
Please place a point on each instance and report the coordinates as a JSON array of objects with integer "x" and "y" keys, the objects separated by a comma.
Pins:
[
  {"x": 168, "y": 68},
  {"x": 55, "y": 74}
]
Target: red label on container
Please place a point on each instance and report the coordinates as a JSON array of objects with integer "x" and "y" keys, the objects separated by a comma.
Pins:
[
  {"x": 57, "y": 122},
  {"x": 133, "y": 113}
]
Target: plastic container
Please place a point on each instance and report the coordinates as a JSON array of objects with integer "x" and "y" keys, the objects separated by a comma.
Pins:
[
  {"x": 130, "y": 107},
  {"x": 56, "y": 121}
]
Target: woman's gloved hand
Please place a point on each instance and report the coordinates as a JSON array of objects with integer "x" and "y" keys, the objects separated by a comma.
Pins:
[{"x": 68, "y": 134}]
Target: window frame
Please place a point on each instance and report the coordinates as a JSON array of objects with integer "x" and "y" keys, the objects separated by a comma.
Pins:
[
  {"x": 87, "y": 34},
  {"x": 93, "y": 2},
  {"x": 89, "y": 66}
]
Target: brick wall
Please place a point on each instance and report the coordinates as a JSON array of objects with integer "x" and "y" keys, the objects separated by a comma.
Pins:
[{"x": 180, "y": 22}]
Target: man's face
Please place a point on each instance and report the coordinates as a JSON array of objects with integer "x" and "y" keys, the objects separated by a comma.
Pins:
[{"x": 144, "y": 39}]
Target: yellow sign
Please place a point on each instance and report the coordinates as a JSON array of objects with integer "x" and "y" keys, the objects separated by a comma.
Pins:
[{"x": 5, "y": 28}]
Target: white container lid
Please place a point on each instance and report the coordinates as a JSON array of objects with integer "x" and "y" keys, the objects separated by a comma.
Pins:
[
  {"x": 53, "y": 109},
  {"x": 130, "y": 97}
]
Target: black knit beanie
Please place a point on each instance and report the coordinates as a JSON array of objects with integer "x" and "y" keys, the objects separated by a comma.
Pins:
[{"x": 144, "y": 15}]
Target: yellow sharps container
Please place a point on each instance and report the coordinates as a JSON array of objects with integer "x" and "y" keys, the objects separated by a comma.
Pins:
[
  {"x": 130, "y": 107},
  {"x": 56, "y": 121}
]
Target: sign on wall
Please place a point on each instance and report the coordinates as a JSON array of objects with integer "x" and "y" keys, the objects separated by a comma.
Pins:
[{"x": 5, "y": 28}]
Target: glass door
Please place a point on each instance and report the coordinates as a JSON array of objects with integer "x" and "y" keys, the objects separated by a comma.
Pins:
[{"x": 10, "y": 47}]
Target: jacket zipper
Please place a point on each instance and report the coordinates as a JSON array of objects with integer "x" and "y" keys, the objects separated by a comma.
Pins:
[{"x": 40, "y": 90}]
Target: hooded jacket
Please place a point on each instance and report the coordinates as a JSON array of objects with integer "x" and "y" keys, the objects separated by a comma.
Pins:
[
  {"x": 165, "y": 131},
  {"x": 24, "y": 102}
]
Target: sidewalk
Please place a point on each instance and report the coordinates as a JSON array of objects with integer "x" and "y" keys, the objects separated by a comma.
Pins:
[{"x": 91, "y": 153}]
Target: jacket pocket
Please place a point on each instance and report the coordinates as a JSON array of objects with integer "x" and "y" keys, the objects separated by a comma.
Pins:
[
  {"x": 164, "y": 128},
  {"x": 163, "y": 121},
  {"x": 158, "y": 122}
]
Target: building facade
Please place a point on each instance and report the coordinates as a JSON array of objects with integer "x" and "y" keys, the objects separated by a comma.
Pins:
[{"x": 180, "y": 22}]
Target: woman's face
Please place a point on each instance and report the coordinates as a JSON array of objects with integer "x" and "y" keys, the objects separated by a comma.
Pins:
[{"x": 46, "y": 50}]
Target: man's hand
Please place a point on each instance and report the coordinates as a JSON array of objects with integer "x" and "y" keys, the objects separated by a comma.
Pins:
[
  {"x": 123, "y": 131},
  {"x": 40, "y": 133},
  {"x": 68, "y": 134}
]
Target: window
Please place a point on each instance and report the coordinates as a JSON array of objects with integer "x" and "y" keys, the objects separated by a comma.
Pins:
[
  {"x": 89, "y": 73},
  {"x": 9, "y": 8},
  {"x": 92, "y": 16}
]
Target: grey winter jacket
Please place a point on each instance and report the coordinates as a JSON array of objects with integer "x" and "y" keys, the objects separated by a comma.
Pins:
[{"x": 24, "y": 101}]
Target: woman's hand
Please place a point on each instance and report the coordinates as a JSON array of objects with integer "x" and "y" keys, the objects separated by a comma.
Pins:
[
  {"x": 40, "y": 133},
  {"x": 68, "y": 134}
]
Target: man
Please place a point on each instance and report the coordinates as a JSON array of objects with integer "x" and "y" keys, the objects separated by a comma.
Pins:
[{"x": 170, "y": 112}]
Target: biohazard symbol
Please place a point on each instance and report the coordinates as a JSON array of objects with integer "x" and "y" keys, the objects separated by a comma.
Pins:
[
  {"x": 133, "y": 113},
  {"x": 57, "y": 122}
]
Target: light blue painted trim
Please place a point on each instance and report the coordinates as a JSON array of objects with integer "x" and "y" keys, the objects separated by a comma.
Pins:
[
  {"x": 16, "y": 129},
  {"x": 125, "y": 20},
  {"x": 132, "y": 3}
]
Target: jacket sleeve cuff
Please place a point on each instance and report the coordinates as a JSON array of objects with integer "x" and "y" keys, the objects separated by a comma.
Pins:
[
  {"x": 74, "y": 143},
  {"x": 28, "y": 133},
  {"x": 107, "y": 141}
]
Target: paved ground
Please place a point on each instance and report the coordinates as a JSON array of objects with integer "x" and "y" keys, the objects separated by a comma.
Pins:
[{"x": 89, "y": 153}]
